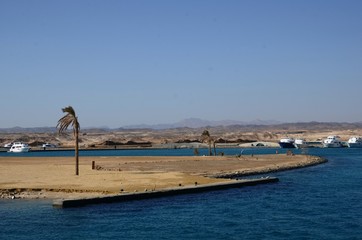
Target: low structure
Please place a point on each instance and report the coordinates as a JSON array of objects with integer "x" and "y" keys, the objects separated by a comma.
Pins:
[{"x": 66, "y": 203}]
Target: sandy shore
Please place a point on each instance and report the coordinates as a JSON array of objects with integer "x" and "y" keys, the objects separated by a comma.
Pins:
[{"x": 54, "y": 177}]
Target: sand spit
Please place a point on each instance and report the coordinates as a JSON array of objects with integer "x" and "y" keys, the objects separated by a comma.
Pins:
[
  {"x": 68, "y": 203},
  {"x": 53, "y": 177}
]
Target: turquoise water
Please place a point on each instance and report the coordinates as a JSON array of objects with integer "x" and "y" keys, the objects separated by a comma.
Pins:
[
  {"x": 139, "y": 152},
  {"x": 320, "y": 202}
]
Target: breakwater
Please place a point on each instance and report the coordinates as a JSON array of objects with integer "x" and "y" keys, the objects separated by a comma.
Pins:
[
  {"x": 311, "y": 161},
  {"x": 68, "y": 203}
]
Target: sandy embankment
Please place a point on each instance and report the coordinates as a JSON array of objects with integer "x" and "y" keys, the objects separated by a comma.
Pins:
[{"x": 54, "y": 177}]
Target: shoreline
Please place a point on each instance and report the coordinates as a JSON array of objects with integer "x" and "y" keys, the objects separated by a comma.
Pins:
[
  {"x": 69, "y": 203},
  {"x": 252, "y": 172},
  {"x": 52, "y": 178}
]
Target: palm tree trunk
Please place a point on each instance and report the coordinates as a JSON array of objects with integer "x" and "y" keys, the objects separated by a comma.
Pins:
[
  {"x": 214, "y": 148},
  {"x": 210, "y": 153},
  {"x": 76, "y": 152}
]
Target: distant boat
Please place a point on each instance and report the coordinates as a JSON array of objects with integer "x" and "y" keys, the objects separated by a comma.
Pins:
[
  {"x": 286, "y": 143},
  {"x": 8, "y": 145},
  {"x": 49, "y": 145},
  {"x": 332, "y": 142},
  {"x": 19, "y": 147},
  {"x": 300, "y": 143},
  {"x": 355, "y": 142}
]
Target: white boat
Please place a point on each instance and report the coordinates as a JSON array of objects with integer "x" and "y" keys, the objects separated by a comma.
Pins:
[
  {"x": 286, "y": 143},
  {"x": 19, "y": 147},
  {"x": 332, "y": 142},
  {"x": 300, "y": 143},
  {"x": 49, "y": 145},
  {"x": 8, "y": 145},
  {"x": 355, "y": 142}
]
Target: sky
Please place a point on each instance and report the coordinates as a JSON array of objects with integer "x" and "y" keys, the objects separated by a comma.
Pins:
[{"x": 120, "y": 63}]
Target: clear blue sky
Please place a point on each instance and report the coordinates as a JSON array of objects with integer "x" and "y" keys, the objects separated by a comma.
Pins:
[{"x": 132, "y": 62}]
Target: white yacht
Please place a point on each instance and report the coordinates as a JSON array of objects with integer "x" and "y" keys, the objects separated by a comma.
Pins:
[
  {"x": 332, "y": 142},
  {"x": 355, "y": 142},
  {"x": 286, "y": 143},
  {"x": 19, "y": 147},
  {"x": 300, "y": 143},
  {"x": 8, "y": 145}
]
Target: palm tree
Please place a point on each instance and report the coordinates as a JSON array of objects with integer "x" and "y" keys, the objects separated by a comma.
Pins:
[
  {"x": 71, "y": 119},
  {"x": 206, "y": 136}
]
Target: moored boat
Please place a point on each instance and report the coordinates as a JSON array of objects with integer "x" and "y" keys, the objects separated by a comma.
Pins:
[
  {"x": 332, "y": 142},
  {"x": 8, "y": 145},
  {"x": 300, "y": 143},
  {"x": 19, "y": 147},
  {"x": 355, "y": 142},
  {"x": 286, "y": 143}
]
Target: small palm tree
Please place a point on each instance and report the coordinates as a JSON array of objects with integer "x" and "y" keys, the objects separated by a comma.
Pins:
[
  {"x": 205, "y": 136},
  {"x": 71, "y": 119}
]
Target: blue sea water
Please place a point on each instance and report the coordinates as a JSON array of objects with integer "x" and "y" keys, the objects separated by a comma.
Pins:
[
  {"x": 320, "y": 202},
  {"x": 140, "y": 152}
]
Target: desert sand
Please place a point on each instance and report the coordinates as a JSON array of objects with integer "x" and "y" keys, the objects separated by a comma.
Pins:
[
  {"x": 54, "y": 177},
  {"x": 173, "y": 138}
]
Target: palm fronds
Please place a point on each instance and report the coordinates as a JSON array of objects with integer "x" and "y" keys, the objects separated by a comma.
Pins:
[{"x": 69, "y": 119}]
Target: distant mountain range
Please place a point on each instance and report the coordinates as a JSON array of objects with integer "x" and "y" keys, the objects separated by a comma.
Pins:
[
  {"x": 198, "y": 123},
  {"x": 28, "y": 130}
]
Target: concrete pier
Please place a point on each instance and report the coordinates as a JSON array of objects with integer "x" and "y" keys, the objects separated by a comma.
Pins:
[{"x": 68, "y": 203}]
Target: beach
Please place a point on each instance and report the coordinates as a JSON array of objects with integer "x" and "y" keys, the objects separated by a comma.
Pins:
[{"x": 54, "y": 177}]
